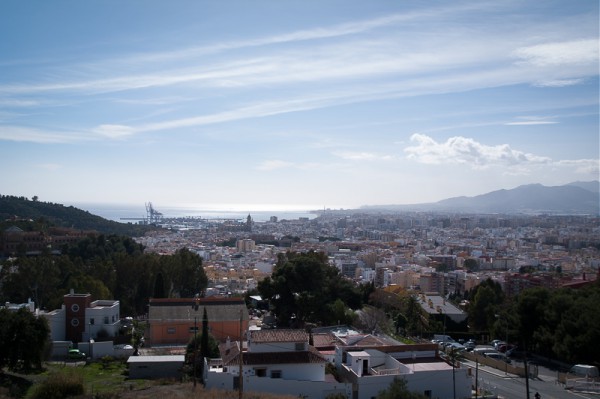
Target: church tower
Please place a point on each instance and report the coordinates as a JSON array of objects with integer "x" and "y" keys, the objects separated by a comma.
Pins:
[{"x": 249, "y": 223}]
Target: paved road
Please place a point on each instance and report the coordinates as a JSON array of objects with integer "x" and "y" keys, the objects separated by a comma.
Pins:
[{"x": 510, "y": 386}]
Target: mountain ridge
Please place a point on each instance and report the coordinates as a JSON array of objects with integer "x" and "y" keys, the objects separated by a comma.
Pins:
[{"x": 572, "y": 198}]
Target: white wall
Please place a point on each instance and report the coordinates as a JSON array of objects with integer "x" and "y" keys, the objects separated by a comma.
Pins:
[
  {"x": 56, "y": 322},
  {"x": 438, "y": 382},
  {"x": 310, "y": 389},
  {"x": 275, "y": 347},
  {"x": 301, "y": 372}
]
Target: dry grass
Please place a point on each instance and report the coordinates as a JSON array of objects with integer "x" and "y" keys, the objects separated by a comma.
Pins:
[{"x": 187, "y": 391}]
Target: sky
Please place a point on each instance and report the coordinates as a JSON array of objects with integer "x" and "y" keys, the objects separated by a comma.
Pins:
[{"x": 295, "y": 104}]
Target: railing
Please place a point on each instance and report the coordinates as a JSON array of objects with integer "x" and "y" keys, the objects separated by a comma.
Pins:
[
  {"x": 385, "y": 371},
  {"x": 582, "y": 384}
]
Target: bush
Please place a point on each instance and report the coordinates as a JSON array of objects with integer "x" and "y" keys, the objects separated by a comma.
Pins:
[{"x": 59, "y": 385}]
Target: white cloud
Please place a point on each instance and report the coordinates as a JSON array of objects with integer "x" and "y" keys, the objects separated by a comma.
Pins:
[
  {"x": 25, "y": 134},
  {"x": 583, "y": 166},
  {"x": 526, "y": 121},
  {"x": 563, "y": 54},
  {"x": 463, "y": 150},
  {"x": 559, "y": 83},
  {"x": 114, "y": 131}
]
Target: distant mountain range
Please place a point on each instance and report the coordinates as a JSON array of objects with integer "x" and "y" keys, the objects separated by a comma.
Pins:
[{"x": 572, "y": 199}]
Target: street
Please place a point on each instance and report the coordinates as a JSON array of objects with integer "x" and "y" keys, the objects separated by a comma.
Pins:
[{"x": 510, "y": 386}]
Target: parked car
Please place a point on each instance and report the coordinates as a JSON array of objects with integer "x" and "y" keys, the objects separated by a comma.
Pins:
[
  {"x": 497, "y": 356},
  {"x": 498, "y": 344},
  {"x": 470, "y": 345},
  {"x": 76, "y": 354},
  {"x": 584, "y": 370},
  {"x": 503, "y": 348},
  {"x": 455, "y": 346},
  {"x": 515, "y": 353}
]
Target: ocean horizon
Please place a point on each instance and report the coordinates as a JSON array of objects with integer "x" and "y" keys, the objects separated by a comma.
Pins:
[{"x": 258, "y": 212}]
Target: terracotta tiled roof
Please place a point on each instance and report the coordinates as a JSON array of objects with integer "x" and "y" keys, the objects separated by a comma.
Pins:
[
  {"x": 231, "y": 357},
  {"x": 327, "y": 340},
  {"x": 266, "y": 336}
]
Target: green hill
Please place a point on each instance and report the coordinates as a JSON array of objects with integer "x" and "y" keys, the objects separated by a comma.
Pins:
[{"x": 49, "y": 214}]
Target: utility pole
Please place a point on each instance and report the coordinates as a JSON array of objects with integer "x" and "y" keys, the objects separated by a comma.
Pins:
[
  {"x": 476, "y": 377},
  {"x": 526, "y": 371},
  {"x": 241, "y": 387},
  {"x": 195, "y": 348}
]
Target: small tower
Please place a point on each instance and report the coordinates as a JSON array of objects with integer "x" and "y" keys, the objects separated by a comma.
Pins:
[{"x": 249, "y": 223}]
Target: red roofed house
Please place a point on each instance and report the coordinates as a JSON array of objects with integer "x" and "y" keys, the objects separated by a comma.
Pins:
[{"x": 173, "y": 321}]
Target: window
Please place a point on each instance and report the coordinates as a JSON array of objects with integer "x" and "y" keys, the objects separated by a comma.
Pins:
[
  {"x": 171, "y": 330},
  {"x": 92, "y": 321},
  {"x": 276, "y": 374},
  {"x": 193, "y": 330},
  {"x": 260, "y": 372},
  {"x": 75, "y": 308},
  {"x": 105, "y": 319},
  {"x": 427, "y": 393},
  {"x": 299, "y": 346},
  {"x": 74, "y": 322}
]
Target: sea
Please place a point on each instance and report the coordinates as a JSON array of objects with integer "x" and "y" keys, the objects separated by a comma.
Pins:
[{"x": 259, "y": 213}]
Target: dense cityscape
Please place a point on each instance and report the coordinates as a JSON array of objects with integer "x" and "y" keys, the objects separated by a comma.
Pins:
[
  {"x": 350, "y": 199},
  {"x": 408, "y": 300},
  {"x": 424, "y": 252}
]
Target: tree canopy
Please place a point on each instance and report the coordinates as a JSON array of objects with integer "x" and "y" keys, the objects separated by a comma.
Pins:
[
  {"x": 108, "y": 267},
  {"x": 304, "y": 287},
  {"x": 23, "y": 339}
]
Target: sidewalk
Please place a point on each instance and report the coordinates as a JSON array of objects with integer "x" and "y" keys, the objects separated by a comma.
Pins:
[{"x": 487, "y": 369}]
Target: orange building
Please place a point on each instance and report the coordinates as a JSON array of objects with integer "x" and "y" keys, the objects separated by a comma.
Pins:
[{"x": 173, "y": 321}]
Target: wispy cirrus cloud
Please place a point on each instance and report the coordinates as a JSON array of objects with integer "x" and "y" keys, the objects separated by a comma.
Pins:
[
  {"x": 33, "y": 135},
  {"x": 531, "y": 121}
]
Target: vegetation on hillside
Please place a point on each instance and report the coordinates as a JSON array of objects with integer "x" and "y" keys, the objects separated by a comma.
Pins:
[
  {"x": 108, "y": 267},
  {"x": 46, "y": 214}
]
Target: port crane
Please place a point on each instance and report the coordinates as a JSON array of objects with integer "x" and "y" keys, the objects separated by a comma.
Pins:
[{"x": 152, "y": 215}]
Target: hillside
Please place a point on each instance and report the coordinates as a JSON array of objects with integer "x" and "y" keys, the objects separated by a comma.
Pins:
[
  {"x": 532, "y": 198},
  {"x": 12, "y": 207},
  {"x": 574, "y": 199}
]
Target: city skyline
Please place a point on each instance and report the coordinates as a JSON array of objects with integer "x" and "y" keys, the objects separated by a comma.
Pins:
[{"x": 295, "y": 104}]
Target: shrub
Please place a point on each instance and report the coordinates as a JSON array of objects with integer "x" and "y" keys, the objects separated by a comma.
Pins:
[{"x": 59, "y": 385}]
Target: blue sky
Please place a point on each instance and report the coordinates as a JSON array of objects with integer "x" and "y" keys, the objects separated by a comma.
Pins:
[{"x": 293, "y": 104}]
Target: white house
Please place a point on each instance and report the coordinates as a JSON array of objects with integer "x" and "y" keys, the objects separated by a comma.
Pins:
[
  {"x": 282, "y": 361},
  {"x": 276, "y": 361},
  {"x": 372, "y": 370}
]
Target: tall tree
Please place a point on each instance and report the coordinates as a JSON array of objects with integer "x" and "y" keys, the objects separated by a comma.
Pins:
[
  {"x": 486, "y": 300},
  {"x": 23, "y": 339},
  {"x": 303, "y": 288}
]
